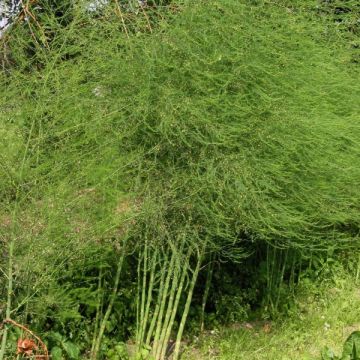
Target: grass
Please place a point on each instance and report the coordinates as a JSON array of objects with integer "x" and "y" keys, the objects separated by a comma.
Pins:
[{"x": 324, "y": 319}]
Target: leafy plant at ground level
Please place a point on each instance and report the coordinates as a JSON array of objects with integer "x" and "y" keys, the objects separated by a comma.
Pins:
[
  {"x": 351, "y": 350},
  {"x": 63, "y": 347}
]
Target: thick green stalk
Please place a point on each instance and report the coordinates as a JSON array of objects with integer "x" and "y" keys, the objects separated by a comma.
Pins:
[
  {"x": 267, "y": 273},
  {"x": 271, "y": 275},
  {"x": 9, "y": 298},
  {"x": 186, "y": 309},
  {"x": 281, "y": 278},
  {"x": 95, "y": 353},
  {"x": 162, "y": 305},
  {"x": 357, "y": 270},
  {"x": 175, "y": 305},
  {"x": 143, "y": 290},
  {"x": 148, "y": 299},
  {"x": 157, "y": 308},
  {"x": 177, "y": 270},
  {"x": 206, "y": 292},
  {"x": 98, "y": 310},
  {"x": 311, "y": 261},
  {"x": 168, "y": 312},
  {"x": 138, "y": 320},
  {"x": 140, "y": 324},
  {"x": 300, "y": 267},
  {"x": 292, "y": 274}
]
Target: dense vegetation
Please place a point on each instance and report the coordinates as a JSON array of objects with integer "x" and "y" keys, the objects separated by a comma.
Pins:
[{"x": 170, "y": 166}]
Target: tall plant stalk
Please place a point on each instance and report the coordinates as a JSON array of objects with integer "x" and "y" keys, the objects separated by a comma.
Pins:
[
  {"x": 357, "y": 270},
  {"x": 187, "y": 307},
  {"x": 140, "y": 306},
  {"x": 108, "y": 311},
  {"x": 281, "y": 278},
  {"x": 174, "y": 310},
  {"x": 144, "y": 320},
  {"x": 173, "y": 265},
  {"x": 164, "y": 297},
  {"x": 170, "y": 304},
  {"x": 206, "y": 292},
  {"x": 9, "y": 298},
  {"x": 157, "y": 308},
  {"x": 176, "y": 249},
  {"x": 98, "y": 311}
]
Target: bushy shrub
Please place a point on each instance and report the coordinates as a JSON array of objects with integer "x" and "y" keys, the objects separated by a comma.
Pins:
[{"x": 232, "y": 125}]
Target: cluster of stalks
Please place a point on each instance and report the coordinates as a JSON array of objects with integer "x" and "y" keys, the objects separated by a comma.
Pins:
[{"x": 166, "y": 274}]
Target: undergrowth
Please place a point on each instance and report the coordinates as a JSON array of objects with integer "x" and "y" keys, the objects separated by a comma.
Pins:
[{"x": 326, "y": 315}]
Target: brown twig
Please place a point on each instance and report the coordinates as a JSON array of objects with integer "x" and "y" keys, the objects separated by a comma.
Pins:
[
  {"x": 147, "y": 18},
  {"x": 119, "y": 12},
  {"x": 44, "y": 347},
  {"x": 25, "y": 8},
  {"x": 26, "y": 12}
]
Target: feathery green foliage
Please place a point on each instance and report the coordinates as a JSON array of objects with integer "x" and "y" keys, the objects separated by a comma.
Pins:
[{"x": 225, "y": 122}]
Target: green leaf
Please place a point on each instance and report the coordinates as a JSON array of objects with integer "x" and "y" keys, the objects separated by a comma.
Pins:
[
  {"x": 71, "y": 350},
  {"x": 57, "y": 337},
  {"x": 351, "y": 349},
  {"x": 110, "y": 325},
  {"x": 56, "y": 353},
  {"x": 328, "y": 354}
]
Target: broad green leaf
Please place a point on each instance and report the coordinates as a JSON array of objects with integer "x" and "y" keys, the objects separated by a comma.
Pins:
[
  {"x": 57, "y": 336},
  {"x": 328, "y": 354},
  {"x": 56, "y": 353},
  {"x": 351, "y": 349},
  {"x": 71, "y": 350}
]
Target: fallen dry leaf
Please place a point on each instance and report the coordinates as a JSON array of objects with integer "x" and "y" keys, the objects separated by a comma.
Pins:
[
  {"x": 26, "y": 346},
  {"x": 267, "y": 328}
]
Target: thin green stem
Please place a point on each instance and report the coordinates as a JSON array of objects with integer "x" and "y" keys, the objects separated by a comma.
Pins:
[
  {"x": 162, "y": 305},
  {"x": 9, "y": 298},
  {"x": 157, "y": 307},
  {"x": 142, "y": 295},
  {"x": 186, "y": 309},
  {"x": 95, "y": 353},
  {"x": 358, "y": 270},
  {"x": 176, "y": 303},
  {"x": 98, "y": 311},
  {"x": 168, "y": 312},
  {"x": 148, "y": 298},
  {"x": 177, "y": 250},
  {"x": 206, "y": 292},
  {"x": 281, "y": 277}
]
